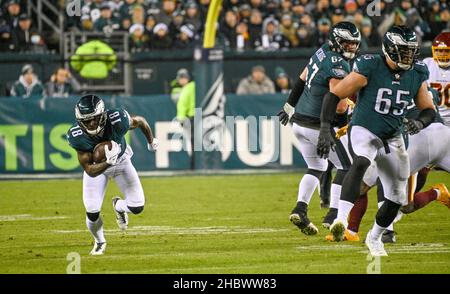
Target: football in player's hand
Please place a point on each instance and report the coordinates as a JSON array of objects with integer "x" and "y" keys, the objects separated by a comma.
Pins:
[{"x": 98, "y": 155}]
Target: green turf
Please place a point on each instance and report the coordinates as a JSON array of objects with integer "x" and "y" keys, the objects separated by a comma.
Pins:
[{"x": 204, "y": 224}]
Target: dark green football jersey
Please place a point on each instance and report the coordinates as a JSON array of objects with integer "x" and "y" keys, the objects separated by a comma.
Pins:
[
  {"x": 323, "y": 66},
  {"x": 413, "y": 112},
  {"x": 117, "y": 125},
  {"x": 381, "y": 104}
]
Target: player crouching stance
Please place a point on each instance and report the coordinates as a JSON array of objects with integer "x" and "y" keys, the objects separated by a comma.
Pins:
[
  {"x": 387, "y": 85},
  {"x": 94, "y": 125}
]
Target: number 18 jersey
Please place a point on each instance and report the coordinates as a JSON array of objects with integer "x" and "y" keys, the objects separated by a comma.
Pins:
[{"x": 117, "y": 125}]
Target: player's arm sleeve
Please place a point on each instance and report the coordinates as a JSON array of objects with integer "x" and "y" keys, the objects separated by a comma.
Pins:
[{"x": 296, "y": 92}]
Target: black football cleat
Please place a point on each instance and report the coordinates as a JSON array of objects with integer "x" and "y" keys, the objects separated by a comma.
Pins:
[
  {"x": 388, "y": 237},
  {"x": 329, "y": 217}
]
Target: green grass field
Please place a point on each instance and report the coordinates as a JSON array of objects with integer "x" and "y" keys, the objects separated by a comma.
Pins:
[{"x": 204, "y": 224}]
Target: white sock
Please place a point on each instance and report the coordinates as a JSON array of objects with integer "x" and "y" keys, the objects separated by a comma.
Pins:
[
  {"x": 377, "y": 231},
  {"x": 306, "y": 188},
  {"x": 121, "y": 206},
  {"x": 438, "y": 192},
  {"x": 96, "y": 229},
  {"x": 391, "y": 226},
  {"x": 335, "y": 195},
  {"x": 343, "y": 211}
]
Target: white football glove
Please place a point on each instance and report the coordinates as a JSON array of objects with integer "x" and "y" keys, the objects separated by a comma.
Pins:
[
  {"x": 113, "y": 154},
  {"x": 154, "y": 145}
]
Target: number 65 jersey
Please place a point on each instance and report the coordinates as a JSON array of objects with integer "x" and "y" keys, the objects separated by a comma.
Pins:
[
  {"x": 440, "y": 81},
  {"x": 117, "y": 125},
  {"x": 382, "y": 103}
]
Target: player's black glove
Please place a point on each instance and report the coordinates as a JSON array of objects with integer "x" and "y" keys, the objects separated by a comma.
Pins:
[
  {"x": 326, "y": 141},
  {"x": 286, "y": 113},
  {"x": 413, "y": 126}
]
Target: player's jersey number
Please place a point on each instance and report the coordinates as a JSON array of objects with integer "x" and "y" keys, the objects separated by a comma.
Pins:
[
  {"x": 76, "y": 131},
  {"x": 383, "y": 104},
  {"x": 309, "y": 76},
  {"x": 444, "y": 93},
  {"x": 114, "y": 115}
]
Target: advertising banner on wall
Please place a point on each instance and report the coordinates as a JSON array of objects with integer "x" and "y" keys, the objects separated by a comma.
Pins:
[{"x": 33, "y": 135}]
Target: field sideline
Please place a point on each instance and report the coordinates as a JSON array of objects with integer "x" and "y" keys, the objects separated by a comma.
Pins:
[{"x": 204, "y": 224}]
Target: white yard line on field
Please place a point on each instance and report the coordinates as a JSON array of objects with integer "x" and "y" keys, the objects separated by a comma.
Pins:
[
  {"x": 164, "y": 230},
  {"x": 27, "y": 217}
]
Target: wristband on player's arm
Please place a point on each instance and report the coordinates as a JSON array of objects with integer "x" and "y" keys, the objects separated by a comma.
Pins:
[
  {"x": 329, "y": 104},
  {"x": 427, "y": 116},
  {"x": 296, "y": 92}
]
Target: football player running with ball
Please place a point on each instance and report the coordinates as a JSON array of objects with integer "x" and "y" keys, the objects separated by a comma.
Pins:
[
  {"x": 387, "y": 85},
  {"x": 326, "y": 68},
  {"x": 95, "y": 125}
]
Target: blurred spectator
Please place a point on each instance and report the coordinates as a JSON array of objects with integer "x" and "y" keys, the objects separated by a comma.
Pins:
[
  {"x": 368, "y": 37},
  {"x": 438, "y": 18},
  {"x": 243, "y": 40},
  {"x": 165, "y": 15},
  {"x": 336, "y": 4},
  {"x": 86, "y": 23},
  {"x": 282, "y": 82},
  {"x": 285, "y": 7},
  {"x": 178, "y": 83},
  {"x": 257, "y": 5},
  {"x": 228, "y": 28},
  {"x": 27, "y": 38},
  {"x": 175, "y": 25},
  {"x": 288, "y": 29},
  {"x": 256, "y": 83},
  {"x": 323, "y": 28},
  {"x": 350, "y": 7},
  {"x": 231, "y": 4},
  {"x": 306, "y": 36},
  {"x": 150, "y": 24},
  {"x": 7, "y": 41},
  {"x": 28, "y": 84},
  {"x": 126, "y": 9},
  {"x": 271, "y": 39},
  {"x": 185, "y": 38},
  {"x": 12, "y": 13},
  {"x": 255, "y": 25},
  {"x": 139, "y": 40},
  {"x": 62, "y": 84},
  {"x": 244, "y": 12},
  {"x": 322, "y": 9},
  {"x": 297, "y": 10},
  {"x": 337, "y": 16},
  {"x": 193, "y": 15},
  {"x": 92, "y": 9},
  {"x": 161, "y": 38},
  {"x": 106, "y": 23},
  {"x": 138, "y": 14},
  {"x": 125, "y": 24}
]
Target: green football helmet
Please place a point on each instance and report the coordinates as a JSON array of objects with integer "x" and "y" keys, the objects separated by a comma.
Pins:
[
  {"x": 90, "y": 107},
  {"x": 344, "y": 38},
  {"x": 400, "y": 45}
]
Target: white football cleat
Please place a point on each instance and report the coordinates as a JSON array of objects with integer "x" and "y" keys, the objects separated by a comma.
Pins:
[
  {"x": 376, "y": 247},
  {"x": 99, "y": 249},
  {"x": 121, "y": 217}
]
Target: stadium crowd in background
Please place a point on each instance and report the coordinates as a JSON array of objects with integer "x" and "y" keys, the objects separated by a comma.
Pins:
[{"x": 243, "y": 24}]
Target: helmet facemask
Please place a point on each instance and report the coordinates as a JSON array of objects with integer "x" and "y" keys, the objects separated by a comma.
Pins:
[
  {"x": 401, "y": 52},
  {"x": 441, "y": 55},
  {"x": 346, "y": 48}
]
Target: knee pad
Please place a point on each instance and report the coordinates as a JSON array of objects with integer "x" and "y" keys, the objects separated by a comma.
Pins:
[
  {"x": 93, "y": 216},
  {"x": 314, "y": 172},
  {"x": 136, "y": 209}
]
